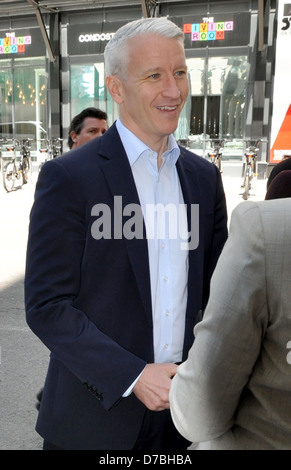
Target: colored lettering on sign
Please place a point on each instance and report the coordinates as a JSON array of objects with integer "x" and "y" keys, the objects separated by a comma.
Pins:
[
  {"x": 12, "y": 44},
  {"x": 208, "y": 31}
]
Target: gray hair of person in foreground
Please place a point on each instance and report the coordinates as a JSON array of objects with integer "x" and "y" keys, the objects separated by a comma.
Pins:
[{"x": 116, "y": 51}]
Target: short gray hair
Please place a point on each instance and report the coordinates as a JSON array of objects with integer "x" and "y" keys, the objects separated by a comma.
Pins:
[{"x": 116, "y": 51}]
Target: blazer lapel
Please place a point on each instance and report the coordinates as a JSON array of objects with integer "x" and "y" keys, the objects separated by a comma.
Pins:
[
  {"x": 118, "y": 174},
  {"x": 190, "y": 188},
  {"x": 189, "y": 183}
]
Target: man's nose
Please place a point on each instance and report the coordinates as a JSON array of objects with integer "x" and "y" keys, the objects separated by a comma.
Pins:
[{"x": 171, "y": 88}]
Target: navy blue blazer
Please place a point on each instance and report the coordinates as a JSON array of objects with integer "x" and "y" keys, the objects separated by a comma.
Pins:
[{"x": 89, "y": 300}]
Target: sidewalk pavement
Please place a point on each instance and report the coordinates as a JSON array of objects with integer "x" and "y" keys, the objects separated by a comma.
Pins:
[{"x": 23, "y": 358}]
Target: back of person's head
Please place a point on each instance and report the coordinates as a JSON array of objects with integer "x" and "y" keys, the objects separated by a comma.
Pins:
[
  {"x": 116, "y": 51},
  {"x": 284, "y": 164},
  {"x": 78, "y": 121},
  {"x": 280, "y": 186}
]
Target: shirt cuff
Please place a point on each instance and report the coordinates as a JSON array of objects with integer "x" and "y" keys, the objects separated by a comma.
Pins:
[{"x": 130, "y": 388}]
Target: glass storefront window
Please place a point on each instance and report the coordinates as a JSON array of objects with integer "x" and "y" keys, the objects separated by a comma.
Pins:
[
  {"x": 196, "y": 70},
  {"x": 233, "y": 92},
  {"x": 88, "y": 89},
  {"x": 6, "y": 97},
  {"x": 23, "y": 108},
  {"x": 218, "y": 92}
]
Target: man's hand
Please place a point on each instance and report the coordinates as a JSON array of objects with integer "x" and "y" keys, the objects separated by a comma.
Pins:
[{"x": 153, "y": 386}]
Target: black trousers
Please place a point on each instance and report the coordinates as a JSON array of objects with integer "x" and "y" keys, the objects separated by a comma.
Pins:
[{"x": 157, "y": 433}]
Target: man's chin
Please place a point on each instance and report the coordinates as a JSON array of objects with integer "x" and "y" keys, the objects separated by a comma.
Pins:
[{"x": 169, "y": 128}]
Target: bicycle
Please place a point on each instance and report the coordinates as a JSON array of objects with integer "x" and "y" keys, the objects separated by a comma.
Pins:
[
  {"x": 12, "y": 171},
  {"x": 52, "y": 149},
  {"x": 56, "y": 147},
  {"x": 251, "y": 166},
  {"x": 44, "y": 151},
  {"x": 215, "y": 153},
  {"x": 25, "y": 159}
]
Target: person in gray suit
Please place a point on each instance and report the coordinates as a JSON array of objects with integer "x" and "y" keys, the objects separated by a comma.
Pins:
[{"x": 233, "y": 391}]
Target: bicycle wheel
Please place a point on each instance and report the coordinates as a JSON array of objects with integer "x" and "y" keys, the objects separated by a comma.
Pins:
[
  {"x": 246, "y": 192},
  {"x": 9, "y": 177},
  {"x": 218, "y": 163},
  {"x": 25, "y": 168}
]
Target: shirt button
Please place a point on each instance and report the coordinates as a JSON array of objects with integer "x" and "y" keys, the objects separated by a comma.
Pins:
[
  {"x": 167, "y": 313},
  {"x": 166, "y": 346},
  {"x": 163, "y": 245},
  {"x": 165, "y": 278}
]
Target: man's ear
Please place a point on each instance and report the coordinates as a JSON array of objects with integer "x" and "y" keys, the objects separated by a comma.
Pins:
[
  {"x": 114, "y": 86},
  {"x": 73, "y": 136}
]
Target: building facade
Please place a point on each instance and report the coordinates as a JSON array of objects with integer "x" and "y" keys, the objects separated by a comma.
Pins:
[{"x": 230, "y": 50}]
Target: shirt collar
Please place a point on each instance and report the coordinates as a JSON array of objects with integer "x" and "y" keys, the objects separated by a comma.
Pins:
[{"x": 134, "y": 147}]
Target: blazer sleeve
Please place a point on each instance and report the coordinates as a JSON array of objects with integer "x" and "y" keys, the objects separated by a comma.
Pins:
[
  {"x": 56, "y": 244},
  {"x": 207, "y": 387}
]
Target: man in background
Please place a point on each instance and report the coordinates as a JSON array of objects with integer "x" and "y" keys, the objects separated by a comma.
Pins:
[{"x": 85, "y": 126}]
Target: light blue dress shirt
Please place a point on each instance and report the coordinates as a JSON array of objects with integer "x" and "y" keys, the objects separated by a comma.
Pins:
[{"x": 165, "y": 218}]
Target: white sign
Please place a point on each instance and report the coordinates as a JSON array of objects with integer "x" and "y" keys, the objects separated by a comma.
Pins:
[
  {"x": 282, "y": 88},
  {"x": 95, "y": 37}
]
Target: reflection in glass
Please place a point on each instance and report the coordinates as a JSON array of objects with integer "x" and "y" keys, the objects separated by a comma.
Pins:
[
  {"x": 196, "y": 74},
  {"x": 23, "y": 99},
  {"x": 218, "y": 93},
  {"x": 6, "y": 100},
  {"x": 233, "y": 96},
  {"x": 88, "y": 89}
]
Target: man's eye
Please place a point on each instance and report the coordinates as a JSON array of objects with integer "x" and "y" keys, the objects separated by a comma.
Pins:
[
  {"x": 181, "y": 73},
  {"x": 154, "y": 75}
]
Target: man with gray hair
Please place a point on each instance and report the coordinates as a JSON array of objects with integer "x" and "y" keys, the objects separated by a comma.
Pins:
[{"x": 111, "y": 288}]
